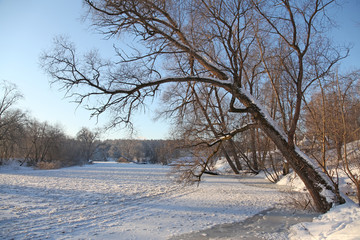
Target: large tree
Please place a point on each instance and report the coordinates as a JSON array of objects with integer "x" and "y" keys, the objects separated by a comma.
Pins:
[
  {"x": 11, "y": 120},
  {"x": 221, "y": 41},
  {"x": 87, "y": 140}
]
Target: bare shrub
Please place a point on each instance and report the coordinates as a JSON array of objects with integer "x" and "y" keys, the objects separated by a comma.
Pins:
[
  {"x": 300, "y": 201},
  {"x": 48, "y": 165},
  {"x": 122, "y": 160}
]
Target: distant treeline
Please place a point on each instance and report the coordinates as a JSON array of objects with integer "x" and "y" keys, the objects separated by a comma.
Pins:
[
  {"x": 36, "y": 143},
  {"x": 140, "y": 151}
]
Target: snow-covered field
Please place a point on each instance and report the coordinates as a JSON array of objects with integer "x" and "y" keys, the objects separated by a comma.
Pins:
[{"x": 108, "y": 200}]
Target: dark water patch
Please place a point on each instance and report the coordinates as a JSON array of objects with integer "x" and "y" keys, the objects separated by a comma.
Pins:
[{"x": 269, "y": 224}]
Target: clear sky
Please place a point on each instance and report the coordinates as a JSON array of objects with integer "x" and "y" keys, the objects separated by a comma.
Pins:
[{"x": 27, "y": 27}]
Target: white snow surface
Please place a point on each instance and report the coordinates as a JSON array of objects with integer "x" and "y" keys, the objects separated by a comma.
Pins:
[
  {"x": 109, "y": 200},
  {"x": 340, "y": 223}
]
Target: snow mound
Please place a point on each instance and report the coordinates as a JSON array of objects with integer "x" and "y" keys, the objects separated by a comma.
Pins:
[
  {"x": 13, "y": 165},
  {"x": 341, "y": 222},
  {"x": 293, "y": 181},
  {"x": 222, "y": 166}
]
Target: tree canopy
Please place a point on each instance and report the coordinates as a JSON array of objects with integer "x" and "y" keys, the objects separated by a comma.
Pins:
[{"x": 236, "y": 47}]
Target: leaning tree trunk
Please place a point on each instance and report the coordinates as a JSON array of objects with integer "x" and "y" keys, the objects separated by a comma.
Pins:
[
  {"x": 317, "y": 183},
  {"x": 234, "y": 154},
  {"x": 228, "y": 159},
  {"x": 320, "y": 188}
]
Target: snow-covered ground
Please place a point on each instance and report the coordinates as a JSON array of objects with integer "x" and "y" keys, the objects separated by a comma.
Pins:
[
  {"x": 108, "y": 200},
  {"x": 340, "y": 223}
]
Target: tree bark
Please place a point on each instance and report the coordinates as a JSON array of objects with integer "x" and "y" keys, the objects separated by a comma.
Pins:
[
  {"x": 228, "y": 159},
  {"x": 317, "y": 183},
  {"x": 358, "y": 192},
  {"x": 234, "y": 153},
  {"x": 253, "y": 149}
]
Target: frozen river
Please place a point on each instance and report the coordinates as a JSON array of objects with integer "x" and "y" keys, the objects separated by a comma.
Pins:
[{"x": 108, "y": 200}]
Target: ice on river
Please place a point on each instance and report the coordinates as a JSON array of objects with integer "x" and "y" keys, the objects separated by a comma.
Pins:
[
  {"x": 108, "y": 200},
  {"x": 120, "y": 201}
]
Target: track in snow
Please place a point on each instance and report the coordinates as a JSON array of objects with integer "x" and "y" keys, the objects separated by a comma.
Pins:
[{"x": 126, "y": 201}]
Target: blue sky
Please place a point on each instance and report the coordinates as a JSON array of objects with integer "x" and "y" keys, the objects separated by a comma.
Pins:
[{"x": 27, "y": 27}]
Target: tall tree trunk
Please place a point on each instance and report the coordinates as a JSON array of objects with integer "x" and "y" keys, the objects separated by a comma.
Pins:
[
  {"x": 316, "y": 182},
  {"x": 253, "y": 149},
  {"x": 358, "y": 191},
  {"x": 228, "y": 159},
  {"x": 234, "y": 154},
  {"x": 338, "y": 150},
  {"x": 286, "y": 168}
]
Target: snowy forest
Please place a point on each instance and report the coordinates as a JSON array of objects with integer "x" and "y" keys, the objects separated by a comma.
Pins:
[{"x": 258, "y": 85}]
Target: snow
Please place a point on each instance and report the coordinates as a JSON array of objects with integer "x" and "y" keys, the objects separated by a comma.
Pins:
[
  {"x": 265, "y": 113},
  {"x": 221, "y": 166},
  {"x": 341, "y": 222},
  {"x": 293, "y": 181},
  {"x": 108, "y": 200}
]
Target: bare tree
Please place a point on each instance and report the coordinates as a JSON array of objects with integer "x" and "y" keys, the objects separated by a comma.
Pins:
[
  {"x": 41, "y": 142},
  {"x": 87, "y": 140},
  {"x": 300, "y": 57},
  {"x": 10, "y": 95},
  {"x": 336, "y": 125},
  {"x": 348, "y": 106},
  {"x": 339, "y": 102},
  {"x": 207, "y": 32},
  {"x": 11, "y": 134},
  {"x": 11, "y": 120},
  {"x": 199, "y": 116}
]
